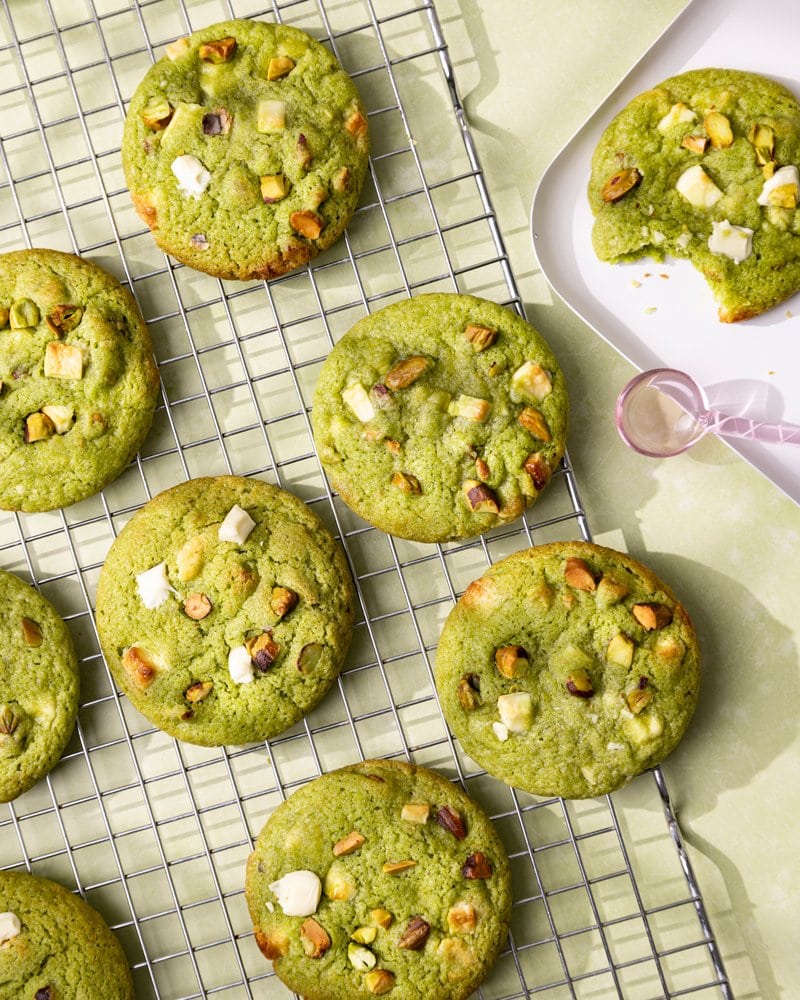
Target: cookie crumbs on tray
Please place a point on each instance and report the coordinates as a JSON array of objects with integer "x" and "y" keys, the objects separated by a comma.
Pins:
[{"x": 650, "y": 310}]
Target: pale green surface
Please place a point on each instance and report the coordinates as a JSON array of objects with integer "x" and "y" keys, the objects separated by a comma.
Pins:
[{"x": 727, "y": 539}]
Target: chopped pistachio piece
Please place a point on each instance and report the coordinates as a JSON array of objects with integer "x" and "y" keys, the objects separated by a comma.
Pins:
[
  {"x": 307, "y": 223},
  {"x": 719, "y": 130},
  {"x": 263, "y": 650},
  {"x": 398, "y": 867},
  {"x": 279, "y": 66},
  {"x": 274, "y": 187},
  {"x": 339, "y": 885},
  {"x": 406, "y": 483},
  {"x": 364, "y": 935},
  {"x": 139, "y": 665},
  {"x": 63, "y": 361},
  {"x": 651, "y": 615},
  {"x": 282, "y": 600},
  {"x": 677, "y": 115},
  {"x": 197, "y": 606},
  {"x": 480, "y": 336},
  {"x": 31, "y": 632},
  {"x": 406, "y": 372},
  {"x": 452, "y": 821},
  {"x": 469, "y": 692},
  {"x": 356, "y": 124},
  {"x": 314, "y": 938},
  {"x": 38, "y": 426},
  {"x": 198, "y": 692},
  {"x": 23, "y": 314},
  {"x": 309, "y": 656},
  {"x": 218, "y": 51},
  {"x": 382, "y": 917},
  {"x": 511, "y": 661},
  {"x": 480, "y": 498},
  {"x": 477, "y": 865},
  {"x": 379, "y": 981},
  {"x": 271, "y": 116},
  {"x": 64, "y": 319},
  {"x": 3, "y": 317},
  {"x": 532, "y": 380},
  {"x": 533, "y": 421},
  {"x": 762, "y": 137},
  {"x": 638, "y": 695},
  {"x": 579, "y": 683},
  {"x": 340, "y": 182},
  {"x": 62, "y": 417},
  {"x": 415, "y": 935},
  {"x": 578, "y": 574},
  {"x": 695, "y": 143},
  {"x": 620, "y": 183},
  {"x": 415, "y": 812},
  {"x": 199, "y": 241},
  {"x": 470, "y": 408},
  {"x": 357, "y": 398},
  {"x": 156, "y": 114},
  {"x": 538, "y": 468},
  {"x": 360, "y": 957},
  {"x": 348, "y": 844}
]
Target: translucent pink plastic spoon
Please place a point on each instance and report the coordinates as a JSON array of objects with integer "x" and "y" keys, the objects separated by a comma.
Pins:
[{"x": 663, "y": 412}]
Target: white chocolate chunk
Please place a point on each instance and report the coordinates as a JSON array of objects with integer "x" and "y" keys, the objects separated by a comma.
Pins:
[
  {"x": 298, "y": 893},
  {"x": 683, "y": 240},
  {"x": 516, "y": 711},
  {"x": 677, "y": 114},
  {"x": 153, "y": 586},
  {"x": 616, "y": 746},
  {"x": 358, "y": 400},
  {"x": 697, "y": 187},
  {"x": 193, "y": 178},
  {"x": 500, "y": 731},
  {"x": 784, "y": 177},
  {"x": 237, "y": 526},
  {"x": 61, "y": 417},
  {"x": 240, "y": 665},
  {"x": 9, "y": 926},
  {"x": 532, "y": 380},
  {"x": 176, "y": 49},
  {"x": 735, "y": 242},
  {"x": 63, "y": 360},
  {"x": 271, "y": 116}
]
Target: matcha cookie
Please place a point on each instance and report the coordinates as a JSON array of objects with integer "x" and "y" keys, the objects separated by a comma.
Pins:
[
  {"x": 225, "y": 610},
  {"x": 380, "y": 878},
  {"x": 245, "y": 149},
  {"x": 440, "y": 416},
  {"x": 38, "y": 687},
  {"x": 78, "y": 383},
  {"x": 705, "y": 166},
  {"x": 567, "y": 669},
  {"x": 53, "y": 946}
]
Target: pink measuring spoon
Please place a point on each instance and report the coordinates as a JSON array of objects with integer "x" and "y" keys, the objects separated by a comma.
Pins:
[{"x": 663, "y": 412}]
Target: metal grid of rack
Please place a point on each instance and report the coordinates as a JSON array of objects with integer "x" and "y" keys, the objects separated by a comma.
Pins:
[{"x": 154, "y": 833}]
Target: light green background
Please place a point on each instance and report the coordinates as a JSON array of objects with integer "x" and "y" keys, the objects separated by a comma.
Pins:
[{"x": 530, "y": 72}]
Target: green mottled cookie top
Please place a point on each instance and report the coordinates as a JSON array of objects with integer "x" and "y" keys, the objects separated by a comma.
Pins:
[
  {"x": 229, "y": 638},
  {"x": 395, "y": 883},
  {"x": 38, "y": 687},
  {"x": 735, "y": 132},
  {"x": 567, "y": 669},
  {"x": 56, "y": 946},
  {"x": 245, "y": 149},
  {"x": 440, "y": 416},
  {"x": 78, "y": 383}
]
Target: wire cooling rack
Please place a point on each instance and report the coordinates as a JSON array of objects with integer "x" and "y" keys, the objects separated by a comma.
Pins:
[{"x": 155, "y": 833}]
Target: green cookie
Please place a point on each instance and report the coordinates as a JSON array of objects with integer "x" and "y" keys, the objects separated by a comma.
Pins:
[
  {"x": 245, "y": 149},
  {"x": 53, "y": 946},
  {"x": 704, "y": 166},
  {"x": 380, "y": 878},
  {"x": 567, "y": 669},
  {"x": 38, "y": 687},
  {"x": 440, "y": 417},
  {"x": 225, "y": 610},
  {"x": 78, "y": 383}
]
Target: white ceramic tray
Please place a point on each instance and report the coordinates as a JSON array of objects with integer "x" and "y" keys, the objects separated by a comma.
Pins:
[{"x": 751, "y": 368}]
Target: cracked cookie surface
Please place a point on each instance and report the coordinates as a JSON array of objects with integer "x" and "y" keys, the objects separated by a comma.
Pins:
[
  {"x": 78, "y": 383},
  {"x": 245, "y": 149},
  {"x": 440, "y": 417},
  {"x": 38, "y": 687},
  {"x": 567, "y": 669},
  {"x": 410, "y": 892},
  {"x": 225, "y": 610},
  {"x": 705, "y": 166},
  {"x": 54, "y": 946}
]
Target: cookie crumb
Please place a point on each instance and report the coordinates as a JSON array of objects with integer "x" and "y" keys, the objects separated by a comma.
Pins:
[
  {"x": 636, "y": 284},
  {"x": 650, "y": 310}
]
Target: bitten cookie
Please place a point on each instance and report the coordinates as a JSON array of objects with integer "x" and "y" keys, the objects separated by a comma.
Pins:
[
  {"x": 53, "y": 946},
  {"x": 567, "y": 669},
  {"x": 38, "y": 687},
  {"x": 225, "y": 610},
  {"x": 705, "y": 166},
  {"x": 78, "y": 383},
  {"x": 440, "y": 417},
  {"x": 245, "y": 149},
  {"x": 380, "y": 878}
]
